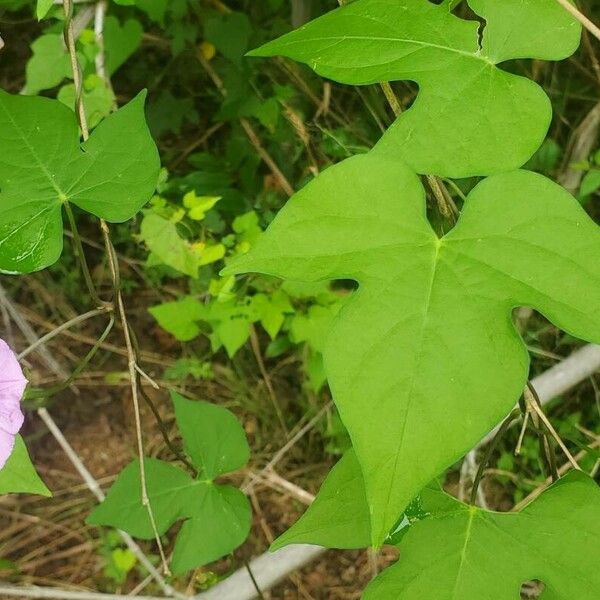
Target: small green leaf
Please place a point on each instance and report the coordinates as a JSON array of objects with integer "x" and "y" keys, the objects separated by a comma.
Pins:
[
  {"x": 470, "y": 117},
  {"x": 43, "y": 165},
  {"x": 19, "y": 476},
  {"x": 339, "y": 516},
  {"x": 49, "y": 64},
  {"x": 230, "y": 33},
  {"x": 217, "y": 518},
  {"x": 167, "y": 246},
  {"x": 198, "y": 206},
  {"x": 123, "y": 559},
  {"x": 428, "y": 334},
  {"x": 120, "y": 41},
  {"x": 180, "y": 318},
  {"x": 169, "y": 489},
  {"x": 460, "y": 551},
  {"x": 590, "y": 183},
  {"x": 213, "y": 437}
]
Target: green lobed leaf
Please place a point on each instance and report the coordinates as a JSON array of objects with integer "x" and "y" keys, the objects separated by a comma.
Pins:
[
  {"x": 339, "y": 516},
  {"x": 555, "y": 539},
  {"x": 43, "y": 165},
  {"x": 49, "y": 65},
  {"x": 217, "y": 517},
  {"x": 423, "y": 360},
  {"x": 120, "y": 41},
  {"x": 19, "y": 476},
  {"x": 470, "y": 117}
]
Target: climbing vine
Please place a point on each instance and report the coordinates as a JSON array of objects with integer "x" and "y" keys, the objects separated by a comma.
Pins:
[{"x": 423, "y": 358}]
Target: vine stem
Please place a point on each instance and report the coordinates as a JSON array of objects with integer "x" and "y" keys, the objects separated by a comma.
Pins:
[
  {"x": 514, "y": 414},
  {"x": 69, "y": 37},
  {"x": 587, "y": 23},
  {"x": 75, "y": 321},
  {"x": 81, "y": 255}
]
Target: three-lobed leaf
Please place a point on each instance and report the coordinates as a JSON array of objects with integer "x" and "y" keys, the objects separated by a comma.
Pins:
[
  {"x": 470, "y": 117},
  {"x": 423, "y": 359},
  {"x": 555, "y": 539},
  {"x": 217, "y": 517},
  {"x": 43, "y": 166}
]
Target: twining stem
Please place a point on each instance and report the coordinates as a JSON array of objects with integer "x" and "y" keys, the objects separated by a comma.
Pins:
[
  {"x": 514, "y": 414},
  {"x": 48, "y": 392},
  {"x": 69, "y": 37},
  {"x": 81, "y": 255},
  {"x": 75, "y": 321},
  {"x": 163, "y": 431},
  {"x": 253, "y": 579}
]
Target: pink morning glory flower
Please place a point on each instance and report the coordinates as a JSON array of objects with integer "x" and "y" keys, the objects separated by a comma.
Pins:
[{"x": 12, "y": 387}]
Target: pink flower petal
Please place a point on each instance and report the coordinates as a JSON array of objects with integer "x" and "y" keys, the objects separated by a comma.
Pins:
[{"x": 12, "y": 387}]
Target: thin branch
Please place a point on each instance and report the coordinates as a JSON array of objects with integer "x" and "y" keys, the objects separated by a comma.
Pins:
[
  {"x": 71, "y": 323},
  {"x": 514, "y": 414},
  {"x": 284, "y": 450},
  {"x": 589, "y": 25},
  {"x": 254, "y": 582},
  {"x": 80, "y": 254}
]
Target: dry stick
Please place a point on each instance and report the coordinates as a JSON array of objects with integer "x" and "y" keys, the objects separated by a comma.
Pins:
[
  {"x": 589, "y": 25},
  {"x": 93, "y": 486},
  {"x": 549, "y": 481},
  {"x": 534, "y": 405},
  {"x": 580, "y": 146},
  {"x": 283, "y": 451},
  {"x": 132, "y": 361}
]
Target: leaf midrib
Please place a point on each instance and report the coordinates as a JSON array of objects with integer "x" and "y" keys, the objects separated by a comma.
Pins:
[{"x": 363, "y": 38}]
